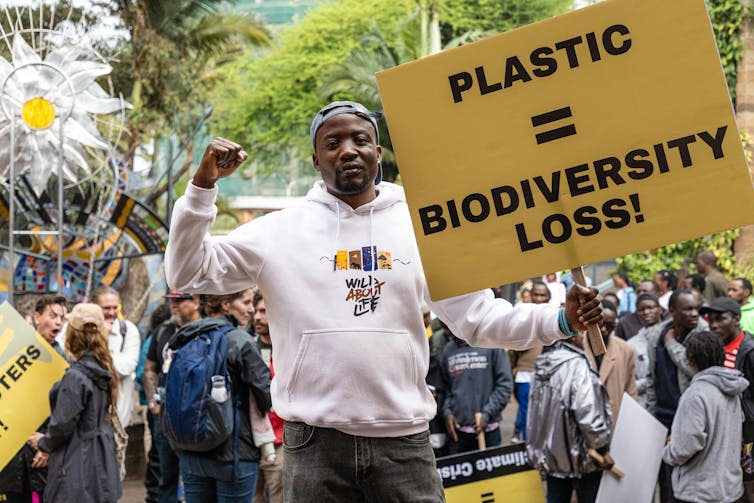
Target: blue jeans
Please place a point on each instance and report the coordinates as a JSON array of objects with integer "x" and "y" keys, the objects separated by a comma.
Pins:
[
  {"x": 521, "y": 390},
  {"x": 168, "y": 487},
  {"x": 206, "y": 480},
  {"x": 586, "y": 487},
  {"x": 324, "y": 465},
  {"x": 468, "y": 442}
]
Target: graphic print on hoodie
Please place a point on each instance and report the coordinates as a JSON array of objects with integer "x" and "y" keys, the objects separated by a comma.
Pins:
[{"x": 364, "y": 291}]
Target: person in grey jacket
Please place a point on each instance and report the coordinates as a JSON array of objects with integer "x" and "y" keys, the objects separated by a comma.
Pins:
[
  {"x": 476, "y": 380},
  {"x": 706, "y": 434},
  {"x": 79, "y": 442},
  {"x": 669, "y": 371},
  {"x": 569, "y": 413}
]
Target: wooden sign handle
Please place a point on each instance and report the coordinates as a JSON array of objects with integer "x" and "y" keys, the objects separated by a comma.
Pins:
[
  {"x": 593, "y": 331},
  {"x": 480, "y": 436},
  {"x": 600, "y": 459}
]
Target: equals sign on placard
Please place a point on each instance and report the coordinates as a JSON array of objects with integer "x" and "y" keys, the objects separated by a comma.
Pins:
[
  {"x": 550, "y": 117},
  {"x": 488, "y": 497}
]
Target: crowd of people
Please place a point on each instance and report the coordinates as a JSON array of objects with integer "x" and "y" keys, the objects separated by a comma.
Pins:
[
  {"x": 367, "y": 389},
  {"x": 689, "y": 365}
]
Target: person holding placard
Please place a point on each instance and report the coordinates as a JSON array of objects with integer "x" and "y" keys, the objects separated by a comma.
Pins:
[{"x": 343, "y": 284}]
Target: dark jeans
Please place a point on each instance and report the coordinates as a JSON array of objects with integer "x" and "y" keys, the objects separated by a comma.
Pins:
[
  {"x": 521, "y": 390},
  {"x": 208, "y": 481},
  {"x": 324, "y": 465},
  {"x": 168, "y": 465},
  {"x": 152, "y": 479},
  {"x": 586, "y": 487},
  {"x": 468, "y": 442},
  {"x": 666, "y": 483}
]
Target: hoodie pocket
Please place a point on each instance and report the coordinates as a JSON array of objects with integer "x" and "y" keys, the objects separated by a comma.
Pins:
[{"x": 356, "y": 375}]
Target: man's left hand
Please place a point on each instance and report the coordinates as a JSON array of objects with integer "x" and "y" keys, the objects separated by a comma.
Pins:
[{"x": 583, "y": 307}]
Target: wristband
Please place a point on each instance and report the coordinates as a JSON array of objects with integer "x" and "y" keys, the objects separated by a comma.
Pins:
[{"x": 563, "y": 323}]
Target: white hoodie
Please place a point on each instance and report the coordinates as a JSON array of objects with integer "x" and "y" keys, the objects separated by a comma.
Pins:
[{"x": 343, "y": 290}]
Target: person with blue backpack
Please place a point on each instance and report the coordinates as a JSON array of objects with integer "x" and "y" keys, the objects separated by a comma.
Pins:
[{"x": 214, "y": 365}]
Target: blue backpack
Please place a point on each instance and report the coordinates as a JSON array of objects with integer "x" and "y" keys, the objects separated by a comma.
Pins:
[{"x": 192, "y": 420}]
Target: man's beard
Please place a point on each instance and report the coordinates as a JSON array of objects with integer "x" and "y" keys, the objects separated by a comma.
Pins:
[{"x": 352, "y": 187}]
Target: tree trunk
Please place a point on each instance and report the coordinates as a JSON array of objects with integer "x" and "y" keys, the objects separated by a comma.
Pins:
[{"x": 744, "y": 246}]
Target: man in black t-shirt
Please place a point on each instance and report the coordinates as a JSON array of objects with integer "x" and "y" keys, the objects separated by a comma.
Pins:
[{"x": 184, "y": 308}]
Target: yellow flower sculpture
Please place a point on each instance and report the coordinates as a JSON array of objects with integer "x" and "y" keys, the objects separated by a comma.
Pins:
[{"x": 37, "y": 96}]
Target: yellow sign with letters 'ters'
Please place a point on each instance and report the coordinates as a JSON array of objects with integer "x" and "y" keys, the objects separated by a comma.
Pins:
[
  {"x": 28, "y": 368},
  {"x": 584, "y": 137}
]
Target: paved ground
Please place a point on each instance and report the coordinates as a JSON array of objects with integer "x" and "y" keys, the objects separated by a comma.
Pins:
[{"x": 133, "y": 492}]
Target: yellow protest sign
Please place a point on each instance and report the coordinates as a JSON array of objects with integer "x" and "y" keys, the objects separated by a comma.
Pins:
[
  {"x": 494, "y": 475},
  {"x": 28, "y": 368},
  {"x": 601, "y": 132}
]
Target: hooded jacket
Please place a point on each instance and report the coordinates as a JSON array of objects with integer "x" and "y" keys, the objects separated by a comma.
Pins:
[
  {"x": 343, "y": 289},
  {"x": 706, "y": 438},
  {"x": 569, "y": 413},
  {"x": 82, "y": 466},
  {"x": 247, "y": 372}
]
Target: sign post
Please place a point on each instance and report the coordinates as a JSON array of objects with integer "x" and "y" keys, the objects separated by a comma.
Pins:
[{"x": 591, "y": 135}]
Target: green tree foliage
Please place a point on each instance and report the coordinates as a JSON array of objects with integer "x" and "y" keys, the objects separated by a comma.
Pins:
[
  {"x": 266, "y": 103},
  {"x": 333, "y": 53},
  {"x": 495, "y": 16},
  {"x": 166, "y": 70},
  {"x": 727, "y": 17}
]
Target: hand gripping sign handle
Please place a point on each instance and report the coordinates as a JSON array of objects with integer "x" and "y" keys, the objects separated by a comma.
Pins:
[
  {"x": 595, "y": 336},
  {"x": 480, "y": 436},
  {"x": 600, "y": 459}
]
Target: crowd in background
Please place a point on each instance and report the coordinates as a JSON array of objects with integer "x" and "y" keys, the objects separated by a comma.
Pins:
[{"x": 682, "y": 347}]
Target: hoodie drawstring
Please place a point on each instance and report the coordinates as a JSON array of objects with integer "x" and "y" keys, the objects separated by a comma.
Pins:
[
  {"x": 337, "y": 232},
  {"x": 371, "y": 231}
]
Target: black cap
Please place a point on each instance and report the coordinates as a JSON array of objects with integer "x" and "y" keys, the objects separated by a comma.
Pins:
[
  {"x": 722, "y": 305},
  {"x": 175, "y": 294}
]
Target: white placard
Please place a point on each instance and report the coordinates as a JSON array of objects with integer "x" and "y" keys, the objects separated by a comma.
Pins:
[{"x": 636, "y": 447}]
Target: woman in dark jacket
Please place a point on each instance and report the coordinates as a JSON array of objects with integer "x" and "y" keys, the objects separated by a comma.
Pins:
[
  {"x": 209, "y": 476},
  {"x": 79, "y": 440}
]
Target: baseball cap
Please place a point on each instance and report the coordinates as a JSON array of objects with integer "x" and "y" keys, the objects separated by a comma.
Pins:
[
  {"x": 85, "y": 313},
  {"x": 346, "y": 107},
  {"x": 342, "y": 107},
  {"x": 722, "y": 305},
  {"x": 175, "y": 294}
]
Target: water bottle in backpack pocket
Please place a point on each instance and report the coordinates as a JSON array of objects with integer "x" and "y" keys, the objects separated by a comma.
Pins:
[{"x": 198, "y": 414}]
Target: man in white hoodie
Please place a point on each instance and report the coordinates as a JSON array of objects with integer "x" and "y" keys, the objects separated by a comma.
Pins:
[{"x": 343, "y": 283}]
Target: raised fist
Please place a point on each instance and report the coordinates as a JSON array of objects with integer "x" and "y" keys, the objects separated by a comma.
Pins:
[{"x": 221, "y": 158}]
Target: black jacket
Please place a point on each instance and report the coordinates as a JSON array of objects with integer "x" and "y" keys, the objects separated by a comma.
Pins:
[
  {"x": 745, "y": 363},
  {"x": 248, "y": 372},
  {"x": 79, "y": 438},
  {"x": 476, "y": 380},
  {"x": 19, "y": 468}
]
